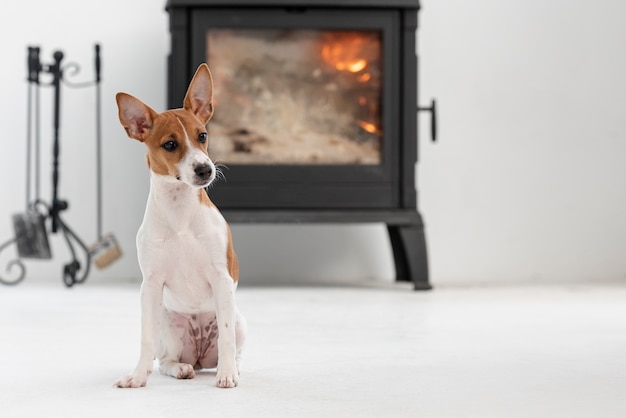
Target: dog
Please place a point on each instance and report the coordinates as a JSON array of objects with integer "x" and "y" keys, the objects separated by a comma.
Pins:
[{"x": 190, "y": 271}]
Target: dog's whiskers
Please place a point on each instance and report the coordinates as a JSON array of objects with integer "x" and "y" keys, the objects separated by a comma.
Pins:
[{"x": 219, "y": 172}]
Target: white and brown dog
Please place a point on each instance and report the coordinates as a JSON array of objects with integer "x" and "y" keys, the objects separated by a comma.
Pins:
[{"x": 184, "y": 246}]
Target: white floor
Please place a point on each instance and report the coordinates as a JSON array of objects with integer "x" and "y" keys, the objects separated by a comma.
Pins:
[{"x": 525, "y": 351}]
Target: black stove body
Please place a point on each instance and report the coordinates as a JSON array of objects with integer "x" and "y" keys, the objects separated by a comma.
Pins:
[{"x": 375, "y": 187}]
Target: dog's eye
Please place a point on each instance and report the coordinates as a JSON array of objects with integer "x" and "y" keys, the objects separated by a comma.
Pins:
[
  {"x": 170, "y": 146},
  {"x": 202, "y": 138}
]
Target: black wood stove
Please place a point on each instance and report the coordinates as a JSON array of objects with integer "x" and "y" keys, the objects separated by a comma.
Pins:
[{"x": 316, "y": 111}]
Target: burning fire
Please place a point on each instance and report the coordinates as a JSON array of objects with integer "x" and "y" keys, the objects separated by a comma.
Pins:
[
  {"x": 353, "y": 52},
  {"x": 364, "y": 78},
  {"x": 347, "y": 51},
  {"x": 369, "y": 127}
]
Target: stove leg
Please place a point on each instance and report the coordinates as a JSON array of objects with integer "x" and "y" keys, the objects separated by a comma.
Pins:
[{"x": 408, "y": 243}]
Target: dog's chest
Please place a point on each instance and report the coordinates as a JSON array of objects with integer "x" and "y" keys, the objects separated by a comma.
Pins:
[{"x": 184, "y": 243}]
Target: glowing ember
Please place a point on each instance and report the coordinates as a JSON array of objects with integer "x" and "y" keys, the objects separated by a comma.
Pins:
[
  {"x": 357, "y": 53},
  {"x": 357, "y": 66},
  {"x": 369, "y": 127},
  {"x": 347, "y": 52},
  {"x": 363, "y": 78}
]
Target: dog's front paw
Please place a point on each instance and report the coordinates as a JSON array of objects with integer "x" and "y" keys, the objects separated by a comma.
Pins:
[
  {"x": 133, "y": 380},
  {"x": 227, "y": 378}
]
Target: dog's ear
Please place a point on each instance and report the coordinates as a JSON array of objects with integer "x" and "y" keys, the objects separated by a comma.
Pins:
[
  {"x": 135, "y": 116},
  {"x": 199, "y": 97}
]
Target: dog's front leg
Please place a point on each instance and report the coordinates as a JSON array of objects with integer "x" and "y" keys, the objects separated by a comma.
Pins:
[
  {"x": 151, "y": 309},
  {"x": 227, "y": 373}
]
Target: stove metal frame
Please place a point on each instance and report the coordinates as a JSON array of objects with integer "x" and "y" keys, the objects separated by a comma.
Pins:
[{"x": 382, "y": 193}]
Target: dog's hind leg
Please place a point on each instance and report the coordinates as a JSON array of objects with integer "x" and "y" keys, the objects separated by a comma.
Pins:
[
  {"x": 177, "y": 350},
  {"x": 176, "y": 369}
]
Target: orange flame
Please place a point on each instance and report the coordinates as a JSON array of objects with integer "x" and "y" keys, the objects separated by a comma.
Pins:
[
  {"x": 346, "y": 53},
  {"x": 363, "y": 78},
  {"x": 353, "y": 52},
  {"x": 369, "y": 127}
]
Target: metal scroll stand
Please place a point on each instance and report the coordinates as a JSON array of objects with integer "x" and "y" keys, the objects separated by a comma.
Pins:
[{"x": 31, "y": 236}]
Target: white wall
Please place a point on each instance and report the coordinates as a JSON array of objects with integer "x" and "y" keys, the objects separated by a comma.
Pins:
[{"x": 526, "y": 182}]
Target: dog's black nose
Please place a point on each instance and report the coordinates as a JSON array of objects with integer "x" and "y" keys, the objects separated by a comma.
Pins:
[{"x": 203, "y": 171}]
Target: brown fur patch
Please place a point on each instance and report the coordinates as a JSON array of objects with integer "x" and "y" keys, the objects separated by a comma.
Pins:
[{"x": 231, "y": 257}]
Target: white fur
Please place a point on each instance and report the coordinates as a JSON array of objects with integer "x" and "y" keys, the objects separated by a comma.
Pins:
[
  {"x": 182, "y": 251},
  {"x": 188, "y": 314}
]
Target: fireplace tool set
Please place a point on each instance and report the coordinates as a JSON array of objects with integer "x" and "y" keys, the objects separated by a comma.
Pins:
[{"x": 30, "y": 226}]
